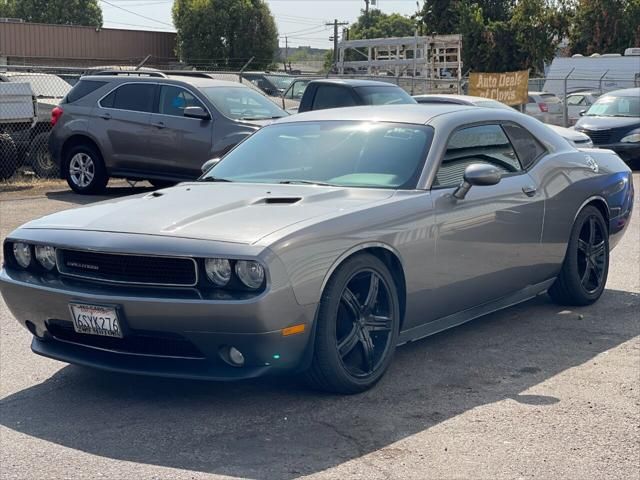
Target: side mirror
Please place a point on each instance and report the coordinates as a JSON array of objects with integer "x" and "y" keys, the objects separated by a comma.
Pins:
[
  {"x": 478, "y": 174},
  {"x": 196, "y": 112},
  {"x": 209, "y": 164},
  {"x": 582, "y": 112}
]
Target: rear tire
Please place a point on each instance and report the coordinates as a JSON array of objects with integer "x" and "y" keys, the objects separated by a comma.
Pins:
[
  {"x": 8, "y": 157},
  {"x": 584, "y": 272},
  {"x": 40, "y": 159},
  {"x": 84, "y": 170},
  {"x": 357, "y": 329}
]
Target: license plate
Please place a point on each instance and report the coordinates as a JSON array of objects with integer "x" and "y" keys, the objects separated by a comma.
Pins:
[{"x": 95, "y": 320}]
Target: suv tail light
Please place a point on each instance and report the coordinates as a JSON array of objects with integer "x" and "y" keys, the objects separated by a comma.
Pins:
[
  {"x": 543, "y": 107},
  {"x": 56, "y": 113}
]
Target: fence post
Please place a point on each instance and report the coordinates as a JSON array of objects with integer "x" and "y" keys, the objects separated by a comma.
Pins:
[
  {"x": 565, "y": 107},
  {"x": 600, "y": 81}
]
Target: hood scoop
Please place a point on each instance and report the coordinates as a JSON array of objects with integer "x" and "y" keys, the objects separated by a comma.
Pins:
[{"x": 279, "y": 200}]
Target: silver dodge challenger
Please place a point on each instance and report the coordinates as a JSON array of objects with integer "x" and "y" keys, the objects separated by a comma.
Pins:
[{"x": 320, "y": 244}]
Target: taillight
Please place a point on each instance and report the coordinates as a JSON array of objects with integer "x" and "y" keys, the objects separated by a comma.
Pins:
[
  {"x": 56, "y": 113},
  {"x": 543, "y": 107}
]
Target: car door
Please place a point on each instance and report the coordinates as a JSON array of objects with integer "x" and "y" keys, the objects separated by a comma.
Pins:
[
  {"x": 487, "y": 244},
  {"x": 123, "y": 125},
  {"x": 180, "y": 145}
]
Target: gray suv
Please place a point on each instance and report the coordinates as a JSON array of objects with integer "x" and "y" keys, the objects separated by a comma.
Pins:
[{"x": 154, "y": 127}]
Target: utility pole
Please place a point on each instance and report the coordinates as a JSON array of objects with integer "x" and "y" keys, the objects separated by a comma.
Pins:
[
  {"x": 366, "y": 7},
  {"x": 286, "y": 52},
  {"x": 335, "y": 24}
]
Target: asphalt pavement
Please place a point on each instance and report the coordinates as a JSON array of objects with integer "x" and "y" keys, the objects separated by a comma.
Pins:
[{"x": 534, "y": 391}]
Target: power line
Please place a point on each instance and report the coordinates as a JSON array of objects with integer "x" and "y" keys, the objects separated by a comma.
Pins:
[{"x": 137, "y": 14}]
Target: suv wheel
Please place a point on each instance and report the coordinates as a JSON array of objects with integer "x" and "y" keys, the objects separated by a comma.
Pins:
[
  {"x": 84, "y": 170},
  {"x": 8, "y": 157}
]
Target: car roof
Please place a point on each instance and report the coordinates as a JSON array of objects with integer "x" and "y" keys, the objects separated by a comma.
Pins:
[
  {"x": 625, "y": 92},
  {"x": 355, "y": 83},
  {"x": 195, "y": 81},
  {"x": 414, "y": 114},
  {"x": 454, "y": 98}
]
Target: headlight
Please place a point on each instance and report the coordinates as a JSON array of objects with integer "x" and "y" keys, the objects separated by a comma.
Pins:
[
  {"x": 250, "y": 273},
  {"x": 46, "y": 256},
  {"x": 633, "y": 138},
  {"x": 22, "y": 254},
  {"x": 218, "y": 270}
]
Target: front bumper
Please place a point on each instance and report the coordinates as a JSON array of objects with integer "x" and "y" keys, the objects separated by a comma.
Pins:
[
  {"x": 626, "y": 151},
  {"x": 203, "y": 328}
]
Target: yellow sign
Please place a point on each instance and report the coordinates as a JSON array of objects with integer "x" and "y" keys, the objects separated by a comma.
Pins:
[{"x": 511, "y": 88}]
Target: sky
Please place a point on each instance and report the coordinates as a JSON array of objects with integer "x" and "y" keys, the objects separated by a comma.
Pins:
[{"x": 302, "y": 21}]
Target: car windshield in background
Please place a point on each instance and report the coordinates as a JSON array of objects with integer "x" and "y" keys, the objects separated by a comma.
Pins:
[
  {"x": 44, "y": 86},
  {"x": 611, "y": 106},
  {"x": 352, "y": 154},
  {"x": 384, "y": 96},
  {"x": 281, "y": 82},
  {"x": 242, "y": 103}
]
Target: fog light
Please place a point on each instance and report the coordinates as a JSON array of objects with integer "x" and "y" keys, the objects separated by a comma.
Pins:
[{"x": 236, "y": 357}]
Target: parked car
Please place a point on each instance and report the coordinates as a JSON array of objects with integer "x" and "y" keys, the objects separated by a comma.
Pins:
[
  {"x": 338, "y": 93},
  {"x": 292, "y": 96},
  {"x": 577, "y": 139},
  {"x": 49, "y": 90},
  {"x": 321, "y": 243},
  {"x": 273, "y": 84},
  {"x": 545, "y": 106},
  {"x": 614, "y": 122},
  {"x": 579, "y": 101},
  {"x": 18, "y": 114},
  {"x": 154, "y": 127}
]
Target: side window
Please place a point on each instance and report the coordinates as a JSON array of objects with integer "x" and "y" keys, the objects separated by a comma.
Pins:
[
  {"x": 137, "y": 97},
  {"x": 82, "y": 89},
  {"x": 576, "y": 100},
  {"x": 173, "y": 100},
  {"x": 527, "y": 147},
  {"x": 330, "y": 96},
  {"x": 486, "y": 144}
]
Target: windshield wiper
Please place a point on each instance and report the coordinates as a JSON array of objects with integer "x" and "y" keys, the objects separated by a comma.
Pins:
[
  {"x": 214, "y": 179},
  {"x": 305, "y": 182}
]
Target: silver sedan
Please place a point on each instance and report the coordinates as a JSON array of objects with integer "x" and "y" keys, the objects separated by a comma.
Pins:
[{"x": 320, "y": 244}]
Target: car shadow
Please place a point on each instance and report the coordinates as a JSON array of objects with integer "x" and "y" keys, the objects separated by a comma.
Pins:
[{"x": 276, "y": 428}]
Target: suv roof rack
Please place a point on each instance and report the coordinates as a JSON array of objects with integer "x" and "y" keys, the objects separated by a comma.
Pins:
[{"x": 129, "y": 73}]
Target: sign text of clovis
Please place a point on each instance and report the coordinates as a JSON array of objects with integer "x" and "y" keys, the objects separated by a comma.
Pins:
[{"x": 510, "y": 88}]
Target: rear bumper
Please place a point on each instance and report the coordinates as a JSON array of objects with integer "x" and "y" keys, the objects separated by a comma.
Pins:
[
  {"x": 55, "y": 149},
  {"x": 203, "y": 328}
]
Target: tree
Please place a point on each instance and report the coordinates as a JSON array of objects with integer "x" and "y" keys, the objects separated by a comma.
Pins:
[
  {"x": 599, "y": 26},
  {"x": 378, "y": 24},
  {"x": 60, "y": 12},
  {"x": 225, "y": 33},
  {"x": 441, "y": 16}
]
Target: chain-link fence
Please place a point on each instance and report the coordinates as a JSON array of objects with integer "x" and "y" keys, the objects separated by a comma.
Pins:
[{"x": 28, "y": 94}]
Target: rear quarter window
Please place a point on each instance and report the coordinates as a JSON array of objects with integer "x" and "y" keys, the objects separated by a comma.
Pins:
[{"x": 82, "y": 89}]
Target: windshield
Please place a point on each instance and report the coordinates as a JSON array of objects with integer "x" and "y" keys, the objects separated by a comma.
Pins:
[
  {"x": 242, "y": 103},
  {"x": 281, "y": 82},
  {"x": 340, "y": 153},
  {"x": 612, "y": 106},
  {"x": 44, "y": 86},
  {"x": 384, "y": 95}
]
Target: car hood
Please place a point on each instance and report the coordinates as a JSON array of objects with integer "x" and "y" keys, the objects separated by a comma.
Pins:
[
  {"x": 606, "y": 123},
  {"x": 226, "y": 212}
]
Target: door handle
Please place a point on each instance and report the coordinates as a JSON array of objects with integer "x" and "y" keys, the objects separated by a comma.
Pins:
[
  {"x": 529, "y": 190},
  {"x": 158, "y": 124},
  {"x": 106, "y": 116}
]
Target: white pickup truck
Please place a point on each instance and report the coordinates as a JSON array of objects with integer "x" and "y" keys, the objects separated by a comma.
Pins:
[{"x": 18, "y": 114}]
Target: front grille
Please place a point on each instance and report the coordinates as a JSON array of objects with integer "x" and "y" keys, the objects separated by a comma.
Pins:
[
  {"x": 139, "y": 342},
  {"x": 598, "y": 136},
  {"x": 135, "y": 269}
]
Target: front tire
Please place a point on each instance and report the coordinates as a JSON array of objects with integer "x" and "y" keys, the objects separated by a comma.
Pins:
[
  {"x": 586, "y": 265},
  {"x": 84, "y": 170},
  {"x": 357, "y": 327},
  {"x": 8, "y": 157}
]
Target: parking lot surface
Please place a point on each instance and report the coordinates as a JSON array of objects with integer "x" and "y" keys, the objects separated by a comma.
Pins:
[{"x": 535, "y": 391}]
